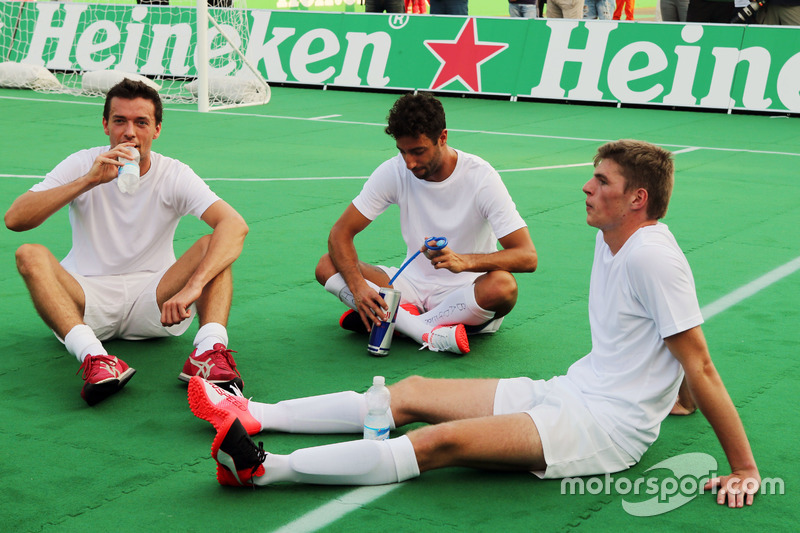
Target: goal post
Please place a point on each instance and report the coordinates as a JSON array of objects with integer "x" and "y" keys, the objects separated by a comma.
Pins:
[
  {"x": 188, "y": 51},
  {"x": 217, "y": 89}
]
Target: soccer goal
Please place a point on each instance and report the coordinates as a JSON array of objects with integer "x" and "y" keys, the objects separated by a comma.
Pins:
[{"x": 191, "y": 51}]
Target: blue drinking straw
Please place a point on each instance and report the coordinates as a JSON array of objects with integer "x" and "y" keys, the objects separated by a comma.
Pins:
[{"x": 439, "y": 243}]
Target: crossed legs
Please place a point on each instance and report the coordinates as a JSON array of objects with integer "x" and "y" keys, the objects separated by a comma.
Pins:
[
  {"x": 492, "y": 295},
  {"x": 495, "y": 291}
]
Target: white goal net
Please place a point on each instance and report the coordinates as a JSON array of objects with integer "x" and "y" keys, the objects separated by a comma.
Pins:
[{"x": 189, "y": 51}]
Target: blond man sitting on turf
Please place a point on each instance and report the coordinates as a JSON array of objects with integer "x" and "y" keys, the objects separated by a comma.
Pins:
[{"x": 598, "y": 418}]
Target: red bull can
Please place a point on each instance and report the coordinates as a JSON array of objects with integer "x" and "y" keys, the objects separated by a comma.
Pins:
[{"x": 380, "y": 337}]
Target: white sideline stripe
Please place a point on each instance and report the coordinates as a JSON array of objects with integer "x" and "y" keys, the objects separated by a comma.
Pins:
[
  {"x": 352, "y": 501},
  {"x": 35, "y": 177},
  {"x": 552, "y": 167},
  {"x": 319, "y": 178},
  {"x": 290, "y": 179},
  {"x": 383, "y": 125},
  {"x": 332, "y": 511},
  {"x": 311, "y": 178},
  {"x": 742, "y": 293},
  {"x": 686, "y": 150},
  {"x": 587, "y": 164}
]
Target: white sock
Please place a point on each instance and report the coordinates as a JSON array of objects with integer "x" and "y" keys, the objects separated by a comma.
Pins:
[
  {"x": 209, "y": 335},
  {"x": 458, "y": 307},
  {"x": 81, "y": 341},
  {"x": 359, "y": 462},
  {"x": 337, "y": 286},
  {"x": 340, "y": 412},
  {"x": 410, "y": 325}
]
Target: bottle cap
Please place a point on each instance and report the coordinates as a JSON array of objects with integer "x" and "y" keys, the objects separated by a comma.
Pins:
[{"x": 379, "y": 380}]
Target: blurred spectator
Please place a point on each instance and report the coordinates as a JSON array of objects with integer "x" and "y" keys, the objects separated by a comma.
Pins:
[
  {"x": 673, "y": 10},
  {"x": 526, "y": 9},
  {"x": 416, "y": 7},
  {"x": 720, "y": 11},
  {"x": 596, "y": 9},
  {"x": 565, "y": 9},
  {"x": 449, "y": 7},
  {"x": 211, "y": 3},
  {"x": 779, "y": 13},
  {"x": 627, "y": 6},
  {"x": 384, "y": 6}
]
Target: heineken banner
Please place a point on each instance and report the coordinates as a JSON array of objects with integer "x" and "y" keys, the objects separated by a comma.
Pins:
[{"x": 660, "y": 64}]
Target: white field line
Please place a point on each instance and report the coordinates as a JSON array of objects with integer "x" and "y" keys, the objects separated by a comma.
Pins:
[
  {"x": 746, "y": 291},
  {"x": 354, "y": 500},
  {"x": 334, "y": 510},
  {"x": 322, "y": 178},
  {"x": 383, "y": 125}
]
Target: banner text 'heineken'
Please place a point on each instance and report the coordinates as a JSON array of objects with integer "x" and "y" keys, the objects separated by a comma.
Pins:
[{"x": 665, "y": 64}]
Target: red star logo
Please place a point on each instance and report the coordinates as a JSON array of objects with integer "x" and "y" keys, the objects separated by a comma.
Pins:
[{"x": 461, "y": 58}]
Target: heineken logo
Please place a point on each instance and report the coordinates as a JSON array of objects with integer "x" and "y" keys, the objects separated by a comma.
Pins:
[
  {"x": 714, "y": 66},
  {"x": 461, "y": 58}
]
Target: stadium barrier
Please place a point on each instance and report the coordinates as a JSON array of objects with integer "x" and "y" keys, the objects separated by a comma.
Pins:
[{"x": 725, "y": 67}]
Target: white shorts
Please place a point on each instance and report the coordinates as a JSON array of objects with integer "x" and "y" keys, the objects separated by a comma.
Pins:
[
  {"x": 574, "y": 444},
  {"x": 428, "y": 297},
  {"x": 125, "y": 306}
]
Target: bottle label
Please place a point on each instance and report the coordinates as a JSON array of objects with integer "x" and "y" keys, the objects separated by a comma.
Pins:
[
  {"x": 129, "y": 168},
  {"x": 376, "y": 433}
]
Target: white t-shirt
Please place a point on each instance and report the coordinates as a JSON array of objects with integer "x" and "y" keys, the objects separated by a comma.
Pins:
[
  {"x": 471, "y": 208},
  {"x": 117, "y": 233},
  {"x": 637, "y": 297}
]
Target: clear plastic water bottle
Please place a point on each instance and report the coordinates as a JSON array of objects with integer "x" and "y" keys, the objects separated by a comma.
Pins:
[
  {"x": 377, "y": 421},
  {"x": 128, "y": 178}
]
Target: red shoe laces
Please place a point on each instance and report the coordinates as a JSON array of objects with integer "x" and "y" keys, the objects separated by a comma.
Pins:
[
  {"x": 225, "y": 354},
  {"x": 90, "y": 360}
]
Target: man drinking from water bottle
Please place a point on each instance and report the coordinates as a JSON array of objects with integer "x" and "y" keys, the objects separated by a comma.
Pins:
[{"x": 466, "y": 287}]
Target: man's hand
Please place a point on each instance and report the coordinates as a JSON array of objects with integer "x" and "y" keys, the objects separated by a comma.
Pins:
[
  {"x": 106, "y": 166},
  {"x": 370, "y": 306},
  {"x": 446, "y": 258},
  {"x": 176, "y": 309},
  {"x": 737, "y": 489},
  {"x": 682, "y": 408},
  {"x": 684, "y": 403}
]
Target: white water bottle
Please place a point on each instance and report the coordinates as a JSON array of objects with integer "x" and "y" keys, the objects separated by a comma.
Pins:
[
  {"x": 377, "y": 421},
  {"x": 128, "y": 178}
]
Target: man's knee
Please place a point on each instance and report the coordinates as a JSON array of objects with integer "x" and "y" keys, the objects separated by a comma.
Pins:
[
  {"x": 435, "y": 446},
  {"x": 31, "y": 258},
  {"x": 506, "y": 284},
  {"x": 406, "y": 395},
  {"x": 497, "y": 291},
  {"x": 325, "y": 269}
]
